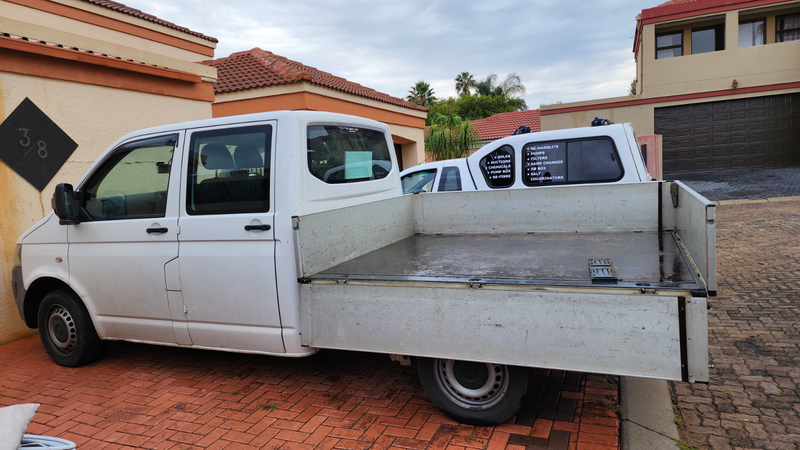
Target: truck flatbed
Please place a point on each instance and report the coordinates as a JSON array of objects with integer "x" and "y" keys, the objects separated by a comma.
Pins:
[{"x": 651, "y": 260}]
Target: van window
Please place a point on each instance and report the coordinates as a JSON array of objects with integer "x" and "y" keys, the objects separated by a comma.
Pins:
[
  {"x": 347, "y": 154},
  {"x": 421, "y": 181},
  {"x": 498, "y": 167},
  {"x": 229, "y": 171},
  {"x": 451, "y": 179},
  {"x": 592, "y": 160},
  {"x": 132, "y": 183}
]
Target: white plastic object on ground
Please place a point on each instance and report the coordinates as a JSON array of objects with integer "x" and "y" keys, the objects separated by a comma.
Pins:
[{"x": 33, "y": 441}]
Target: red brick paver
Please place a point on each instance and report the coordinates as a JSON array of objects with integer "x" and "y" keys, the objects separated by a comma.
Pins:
[{"x": 140, "y": 396}]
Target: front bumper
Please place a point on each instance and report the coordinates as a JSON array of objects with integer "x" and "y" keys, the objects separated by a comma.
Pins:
[{"x": 18, "y": 289}]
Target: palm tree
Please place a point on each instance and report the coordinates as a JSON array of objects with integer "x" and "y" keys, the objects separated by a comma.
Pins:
[
  {"x": 511, "y": 88},
  {"x": 464, "y": 82},
  {"x": 449, "y": 137},
  {"x": 421, "y": 94}
]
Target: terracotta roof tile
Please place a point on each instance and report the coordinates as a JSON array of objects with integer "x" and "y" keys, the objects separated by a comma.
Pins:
[
  {"x": 502, "y": 125},
  {"x": 675, "y": 2},
  {"x": 119, "y": 7},
  {"x": 259, "y": 68}
]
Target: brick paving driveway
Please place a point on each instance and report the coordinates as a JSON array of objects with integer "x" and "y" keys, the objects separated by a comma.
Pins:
[
  {"x": 753, "y": 399},
  {"x": 140, "y": 396}
]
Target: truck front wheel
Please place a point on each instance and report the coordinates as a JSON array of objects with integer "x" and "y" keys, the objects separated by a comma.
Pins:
[
  {"x": 66, "y": 329},
  {"x": 474, "y": 393}
]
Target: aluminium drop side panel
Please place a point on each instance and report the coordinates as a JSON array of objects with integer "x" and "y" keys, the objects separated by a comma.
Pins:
[
  {"x": 697, "y": 339},
  {"x": 695, "y": 224},
  {"x": 558, "y": 209},
  {"x": 621, "y": 334},
  {"x": 325, "y": 239}
]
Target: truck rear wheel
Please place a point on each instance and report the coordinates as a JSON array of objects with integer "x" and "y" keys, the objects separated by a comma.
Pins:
[
  {"x": 474, "y": 393},
  {"x": 66, "y": 330}
]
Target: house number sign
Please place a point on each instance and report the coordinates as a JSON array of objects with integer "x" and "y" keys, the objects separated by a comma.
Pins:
[{"x": 33, "y": 145}]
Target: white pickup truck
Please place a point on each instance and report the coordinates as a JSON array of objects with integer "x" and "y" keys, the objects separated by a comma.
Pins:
[
  {"x": 284, "y": 233},
  {"x": 602, "y": 154}
]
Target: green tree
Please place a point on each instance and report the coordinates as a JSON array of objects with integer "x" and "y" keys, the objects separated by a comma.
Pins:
[
  {"x": 464, "y": 82},
  {"x": 421, "y": 94},
  {"x": 472, "y": 107},
  {"x": 632, "y": 90},
  {"x": 449, "y": 137},
  {"x": 510, "y": 88}
]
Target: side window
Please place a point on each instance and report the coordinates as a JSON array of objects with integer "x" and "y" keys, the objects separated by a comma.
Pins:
[
  {"x": 421, "y": 181},
  {"x": 593, "y": 160},
  {"x": 588, "y": 160},
  {"x": 229, "y": 171},
  {"x": 347, "y": 154},
  {"x": 498, "y": 167},
  {"x": 132, "y": 184},
  {"x": 451, "y": 179}
]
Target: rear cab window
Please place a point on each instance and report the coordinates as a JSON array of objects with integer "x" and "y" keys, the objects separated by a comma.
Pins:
[{"x": 347, "y": 154}]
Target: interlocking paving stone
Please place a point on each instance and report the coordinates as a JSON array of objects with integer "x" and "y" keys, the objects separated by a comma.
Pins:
[
  {"x": 140, "y": 396},
  {"x": 753, "y": 397},
  {"x": 743, "y": 184}
]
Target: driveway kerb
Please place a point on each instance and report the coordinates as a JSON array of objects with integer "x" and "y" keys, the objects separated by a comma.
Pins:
[{"x": 648, "y": 422}]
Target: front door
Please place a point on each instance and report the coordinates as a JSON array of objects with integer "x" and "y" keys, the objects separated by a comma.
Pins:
[
  {"x": 227, "y": 239},
  {"x": 128, "y": 232}
]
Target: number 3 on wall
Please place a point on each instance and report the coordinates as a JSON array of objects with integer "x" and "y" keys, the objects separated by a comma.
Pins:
[{"x": 26, "y": 141}]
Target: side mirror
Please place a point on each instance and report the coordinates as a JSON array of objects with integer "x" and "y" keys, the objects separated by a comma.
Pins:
[{"x": 64, "y": 204}]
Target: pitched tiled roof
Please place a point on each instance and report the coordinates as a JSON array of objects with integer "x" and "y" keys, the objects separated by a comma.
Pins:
[
  {"x": 502, "y": 125},
  {"x": 675, "y": 2},
  {"x": 259, "y": 68},
  {"x": 119, "y": 7}
]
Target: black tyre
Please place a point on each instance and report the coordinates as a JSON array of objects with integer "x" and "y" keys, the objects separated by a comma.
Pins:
[
  {"x": 67, "y": 331},
  {"x": 474, "y": 393}
]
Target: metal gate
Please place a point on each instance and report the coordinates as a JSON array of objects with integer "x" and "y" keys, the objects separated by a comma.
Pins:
[{"x": 745, "y": 133}]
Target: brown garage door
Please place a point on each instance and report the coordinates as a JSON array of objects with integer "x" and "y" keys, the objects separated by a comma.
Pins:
[{"x": 733, "y": 134}]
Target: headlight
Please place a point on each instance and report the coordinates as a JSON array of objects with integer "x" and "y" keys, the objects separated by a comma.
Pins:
[{"x": 18, "y": 256}]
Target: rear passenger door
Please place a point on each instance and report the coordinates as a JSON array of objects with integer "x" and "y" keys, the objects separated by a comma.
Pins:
[{"x": 227, "y": 240}]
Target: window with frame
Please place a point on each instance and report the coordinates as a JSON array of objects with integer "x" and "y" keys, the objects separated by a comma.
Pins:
[
  {"x": 132, "y": 183},
  {"x": 752, "y": 32},
  {"x": 347, "y": 154},
  {"x": 669, "y": 45},
  {"x": 498, "y": 167},
  {"x": 450, "y": 179},
  {"x": 417, "y": 182},
  {"x": 593, "y": 160},
  {"x": 708, "y": 39},
  {"x": 229, "y": 171},
  {"x": 787, "y": 28}
]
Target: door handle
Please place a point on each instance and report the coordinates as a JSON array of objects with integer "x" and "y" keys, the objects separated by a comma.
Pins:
[
  {"x": 157, "y": 230},
  {"x": 257, "y": 227}
]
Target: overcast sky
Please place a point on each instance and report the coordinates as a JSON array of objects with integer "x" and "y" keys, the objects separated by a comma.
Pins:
[{"x": 563, "y": 50}]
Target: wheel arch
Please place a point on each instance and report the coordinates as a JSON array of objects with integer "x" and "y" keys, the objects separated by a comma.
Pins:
[{"x": 34, "y": 295}]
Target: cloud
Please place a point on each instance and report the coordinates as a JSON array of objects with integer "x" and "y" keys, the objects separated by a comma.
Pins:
[{"x": 563, "y": 50}]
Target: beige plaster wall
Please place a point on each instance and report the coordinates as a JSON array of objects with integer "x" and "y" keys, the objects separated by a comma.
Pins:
[
  {"x": 773, "y": 63},
  {"x": 414, "y": 151},
  {"x": 92, "y": 116}
]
